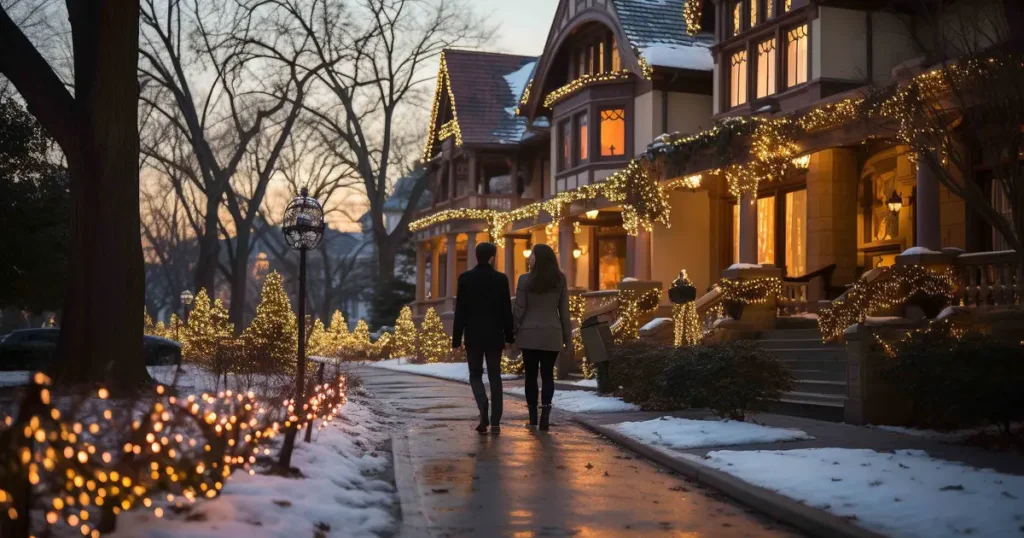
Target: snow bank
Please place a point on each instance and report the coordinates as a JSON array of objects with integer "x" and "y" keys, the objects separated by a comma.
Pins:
[
  {"x": 918, "y": 251},
  {"x": 681, "y": 433},
  {"x": 338, "y": 496},
  {"x": 582, "y": 401},
  {"x": 907, "y": 494},
  {"x": 591, "y": 383},
  {"x": 655, "y": 324},
  {"x": 454, "y": 371}
]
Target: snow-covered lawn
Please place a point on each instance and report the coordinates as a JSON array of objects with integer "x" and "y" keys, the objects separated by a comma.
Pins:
[
  {"x": 583, "y": 401},
  {"x": 454, "y": 371},
  {"x": 681, "y": 433},
  {"x": 904, "y": 495},
  {"x": 589, "y": 383},
  {"x": 339, "y": 496},
  {"x": 954, "y": 436}
]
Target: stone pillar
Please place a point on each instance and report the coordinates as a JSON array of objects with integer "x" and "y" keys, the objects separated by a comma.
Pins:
[
  {"x": 471, "y": 250},
  {"x": 566, "y": 242},
  {"x": 435, "y": 262},
  {"x": 474, "y": 175},
  {"x": 832, "y": 213},
  {"x": 929, "y": 232},
  {"x": 450, "y": 271},
  {"x": 642, "y": 243},
  {"x": 748, "y": 228},
  {"x": 451, "y": 179},
  {"x": 510, "y": 262},
  {"x": 421, "y": 271}
]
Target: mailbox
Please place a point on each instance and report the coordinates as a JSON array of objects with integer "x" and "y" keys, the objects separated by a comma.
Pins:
[{"x": 597, "y": 342}]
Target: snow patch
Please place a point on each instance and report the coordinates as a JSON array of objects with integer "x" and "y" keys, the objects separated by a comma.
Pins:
[
  {"x": 656, "y": 324},
  {"x": 744, "y": 266},
  {"x": 453, "y": 371},
  {"x": 681, "y": 433},
  {"x": 518, "y": 79},
  {"x": 918, "y": 251},
  {"x": 582, "y": 401},
  {"x": 906, "y": 494},
  {"x": 694, "y": 56},
  {"x": 589, "y": 383}
]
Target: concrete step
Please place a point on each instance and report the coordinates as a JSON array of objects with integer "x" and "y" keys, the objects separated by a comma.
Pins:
[
  {"x": 820, "y": 387},
  {"x": 790, "y": 334},
  {"x": 810, "y": 354},
  {"x": 834, "y": 374},
  {"x": 793, "y": 322},
  {"x": 816, "y": 406},
  {"x": 796, "y": 343},
  {"x": 824, "y": 365}
]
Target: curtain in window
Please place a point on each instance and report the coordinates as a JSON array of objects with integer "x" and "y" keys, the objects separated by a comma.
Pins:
[
  {"x": 766, "y": 230},
  {"x": 796, "y": 233},
  {"x": 584, "y": 140},
  {"x": 796, "y": 56},
  {"x": 613, "y": 132}
]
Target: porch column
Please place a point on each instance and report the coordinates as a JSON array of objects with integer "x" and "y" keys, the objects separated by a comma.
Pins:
[
  {"x": 474, "y": 175},
  {"x": 435, "y": 261},
  {"x": 510, "y": 262},
  {"x": 471, "y": 250},
  {"x": 638, "y": 255},
  {"x": 421, "y": 271},
  {"x": 450, "y": 271},
  {"x": 566, "y": 242},
  {"x": 926, "y": 205},
  {"x": 748, "y": 228},
  {"x": 832, "y": 178},
  {"x": 451, "y": 179}
]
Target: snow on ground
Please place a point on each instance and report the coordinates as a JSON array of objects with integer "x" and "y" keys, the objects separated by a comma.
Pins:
[
  {"x": 681, "y": 433},
  {"x": 338, "y": 495},
  {"x": 583, "y": 401},
  {"x": 589, "y": 383},
  {"x": 454, "y": 371},
  {"x": 905, "y": 495},
  {"x": 954, "y": 436},
  {"x": 14, "y": 379}
]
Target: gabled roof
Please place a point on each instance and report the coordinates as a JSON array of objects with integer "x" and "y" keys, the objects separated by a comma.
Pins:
[
  {"x": 657, "y": 29},
  {"x": 484, "y": 89}
]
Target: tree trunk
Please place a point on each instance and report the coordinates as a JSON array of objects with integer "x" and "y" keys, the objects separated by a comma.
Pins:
[
  {"x": 328, "y": 299},
  {"x": 209, "y": 247},
  {"x": 101, "y": 335},
  {"x": 240, "y": 278}
]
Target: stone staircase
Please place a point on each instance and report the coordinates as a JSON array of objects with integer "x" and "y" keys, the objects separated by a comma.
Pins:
[{"x": 819, "y": 370}]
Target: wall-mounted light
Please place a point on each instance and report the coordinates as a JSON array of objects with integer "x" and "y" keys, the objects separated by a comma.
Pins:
[
  {"x": 592, "y": 214},
  {"x": 692, "y": 182},
  {"x": 577, "y": 251},
  {"x": 802, "y": 162},
  {"x": 895, "y": 202},
  {"x": 527, "y": 252}
]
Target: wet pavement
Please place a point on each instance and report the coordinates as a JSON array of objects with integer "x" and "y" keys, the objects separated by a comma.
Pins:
[{"x": 526, "y": 483}]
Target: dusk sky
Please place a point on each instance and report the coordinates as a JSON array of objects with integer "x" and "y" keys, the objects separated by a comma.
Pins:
[{"x": 522, "y": 25}]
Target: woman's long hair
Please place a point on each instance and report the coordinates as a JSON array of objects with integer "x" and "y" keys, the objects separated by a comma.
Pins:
[{"x": 544, "y": 275}]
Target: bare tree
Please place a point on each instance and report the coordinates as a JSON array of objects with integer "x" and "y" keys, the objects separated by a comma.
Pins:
[
  {"x": 377, "y": 54},
  {"x": 232, "y": 82},
  {"x": 168, "y": 244},
  {"x": 971, "y": 106},
  {"x": 95, "y": 124}
]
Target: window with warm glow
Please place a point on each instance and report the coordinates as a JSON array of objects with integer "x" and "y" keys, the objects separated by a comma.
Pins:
[
  {"x": 600, "y": 58},
  {"x": 753, "y": 13},
  {"x": 613, "y": 132},
  {"x": 616, "y": 59},
  {"x": 565, "y": 140},
  {"x": 737, "y": 18},
  {"x": 1001, "y": 203},
  {"x": 738, "y": 79},
  {"x": 788, "y": 6},
  {"x": 766, "y": 230},
  {"x": 769, "y": 9},
  {"x": 796, "y": 233},
  {"x": 796, "y": 56},
  {"x": 766, "y": 68},
  {"x": 584, "y": 140}
]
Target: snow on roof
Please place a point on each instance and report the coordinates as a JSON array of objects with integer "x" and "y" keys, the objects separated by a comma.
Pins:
[
  {"x": 696, "y": 56},
  {"x": 656, "y": 28}
]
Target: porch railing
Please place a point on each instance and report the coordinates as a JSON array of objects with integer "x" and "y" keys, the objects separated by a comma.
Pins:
[
  {"x": 793, "y": 299},
  {"x": 710, "y": 309},
  {"x": 990, "y": 279},
  {"x": 498, "y": 202}
]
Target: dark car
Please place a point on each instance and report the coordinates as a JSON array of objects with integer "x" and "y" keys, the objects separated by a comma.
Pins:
[{"x": 36, "y": 350}]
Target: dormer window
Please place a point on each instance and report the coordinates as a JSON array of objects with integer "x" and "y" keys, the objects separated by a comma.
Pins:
[{"x": 616, "y": 59}]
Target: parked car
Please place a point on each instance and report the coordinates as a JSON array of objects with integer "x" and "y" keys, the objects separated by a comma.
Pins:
[{"x": 36, "y": 350}]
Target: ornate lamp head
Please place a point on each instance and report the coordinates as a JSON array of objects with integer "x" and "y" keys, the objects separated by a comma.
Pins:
[{"x": 303, "y": 225}]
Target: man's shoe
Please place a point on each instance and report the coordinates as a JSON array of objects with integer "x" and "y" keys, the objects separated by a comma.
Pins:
[
  {"x": 545, "y": 417},
  {"x": 495, "y": 430}
]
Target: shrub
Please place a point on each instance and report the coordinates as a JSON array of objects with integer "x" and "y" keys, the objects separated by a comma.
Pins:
[
  {"x": 958, "y": 379},
  {"x": 512, "y": 365},
  {"x": 730, "y": 378},
  {"x": 634, "y": 372}
]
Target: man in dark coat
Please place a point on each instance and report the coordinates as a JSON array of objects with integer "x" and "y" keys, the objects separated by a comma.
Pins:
[{"x": 483, "y": 311}]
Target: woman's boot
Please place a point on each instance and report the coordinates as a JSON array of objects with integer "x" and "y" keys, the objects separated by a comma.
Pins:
[
  {"x": 545, "y": 416},
  {"x": 533, "y": 414}
]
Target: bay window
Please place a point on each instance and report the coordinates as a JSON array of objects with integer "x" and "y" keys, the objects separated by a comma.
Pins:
[
  {"x": 613, "y": 132},
  {"x": 565, "y": 145},
  {"x": 583, "y": 140},
  {"x": 738, "y": 79},
  {"x": 766, "y": 68}
]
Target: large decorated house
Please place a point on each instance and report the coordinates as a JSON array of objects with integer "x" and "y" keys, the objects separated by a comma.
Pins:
[{"x": 733, "y": 139}]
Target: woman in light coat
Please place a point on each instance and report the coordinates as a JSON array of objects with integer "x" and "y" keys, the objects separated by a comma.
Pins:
[{"x": 543, "y": 330}]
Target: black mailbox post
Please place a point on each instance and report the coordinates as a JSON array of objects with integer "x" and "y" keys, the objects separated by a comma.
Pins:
[{"x": 597, "y": 342}]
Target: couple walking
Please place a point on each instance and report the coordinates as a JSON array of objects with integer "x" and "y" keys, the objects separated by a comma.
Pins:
[{"x": 538, "y": 324}]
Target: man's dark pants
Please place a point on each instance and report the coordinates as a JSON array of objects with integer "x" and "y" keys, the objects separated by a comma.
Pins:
[{"x": 476, "y": 374}]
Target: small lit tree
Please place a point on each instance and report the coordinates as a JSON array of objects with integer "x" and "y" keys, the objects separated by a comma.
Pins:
[
  {"x": 274, "y": 332},
  {"x": 147, "y": 323},
  {"x": 321, "y": 343},
  {"x": 403, "y": 344},
  {"x": 207, "y": 325},
  {"x": 435, "y": 344},
  {"x": 359, "y": 342},
  {"x": 339, "y": 331}
]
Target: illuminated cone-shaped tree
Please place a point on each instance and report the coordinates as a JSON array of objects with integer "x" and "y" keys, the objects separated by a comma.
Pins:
[
  {"x": 208, "y": 325},
  {"x": 403, "y": 345},
  {"x": 147, "y": 322},
  {"x": 435, "y": 344},
  {"x": 339, "y": 331},
  {"x": 359, "y": 341},
  {"x": 321, "y": 343},
  {"x": 175, "y": 329},
  {"x": 380, "y": 348},
  {"x": 274, "y": 332}
]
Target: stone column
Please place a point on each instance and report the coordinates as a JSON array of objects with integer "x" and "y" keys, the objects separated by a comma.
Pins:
[
  {"x": 566, "y": 242},
  {"x": 832, "y": 179},
  {"x": 450, "y": 272},
  {"x": 510, "y": 262},
  {"x": 421, "y": 271},
  {"x": 435, "y": 262},
  {"x": 929, "y": 232},
  {"x": 471, "y": 250},
  {"x": 642, "y": 245},
  {"x": 748, "y": 228}
]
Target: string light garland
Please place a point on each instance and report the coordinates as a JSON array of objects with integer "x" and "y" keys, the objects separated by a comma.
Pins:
[
  {"x": 944, "y": 327},
  {"x": 435, "y": 344},
  {"x": 584, "y": 81},
  {"x": 577, "y": 307},
  {"x": 893, "y": 288},
  {"x": 685, "y": 322},
  {"x": 525, "y": 98},
  {"x": 451, "y": 128},
  {"x": 633, "y": 305},
  {"x": 756, "y": 291},
  {"x": 645, "y": 68},
  {"x": 404, "y": 342},
  {"x": 691, "y": 16}
]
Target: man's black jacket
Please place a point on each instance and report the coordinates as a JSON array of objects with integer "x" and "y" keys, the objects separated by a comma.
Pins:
[{"x": 483, "y": 309}]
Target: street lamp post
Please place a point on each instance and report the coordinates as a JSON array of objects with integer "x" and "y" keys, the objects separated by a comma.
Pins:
[
  {"x": 303, "y": 229},
  {"x": 186, "y": 298}
]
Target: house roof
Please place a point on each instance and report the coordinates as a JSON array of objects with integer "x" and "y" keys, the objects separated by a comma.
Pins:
[
  {"x": 657, "y": 29},
  {"x": 486, "y": 87},
  {"x": 403, "y": 189}
]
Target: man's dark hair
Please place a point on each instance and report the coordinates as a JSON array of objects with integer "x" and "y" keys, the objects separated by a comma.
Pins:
[{"x": 485, "y": 251}]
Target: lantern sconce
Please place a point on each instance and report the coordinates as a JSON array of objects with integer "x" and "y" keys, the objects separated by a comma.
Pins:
[
  {"x": 578, "y": 251},
  {"x": 895, "y": 202},
  {"x": 593, "y": 214},
  {"x": 802, "y": 162}
]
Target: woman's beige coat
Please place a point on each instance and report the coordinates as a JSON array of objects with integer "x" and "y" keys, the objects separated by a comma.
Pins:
[{"x": 542, "y": 319}]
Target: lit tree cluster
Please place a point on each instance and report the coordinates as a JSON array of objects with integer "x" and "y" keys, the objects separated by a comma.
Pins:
[
  {"x": 403, "y": 344},
  {"x": 435, "y": 343},
  {"x": 274, "y": 332},
  {"x": 207, "y": 326}
]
